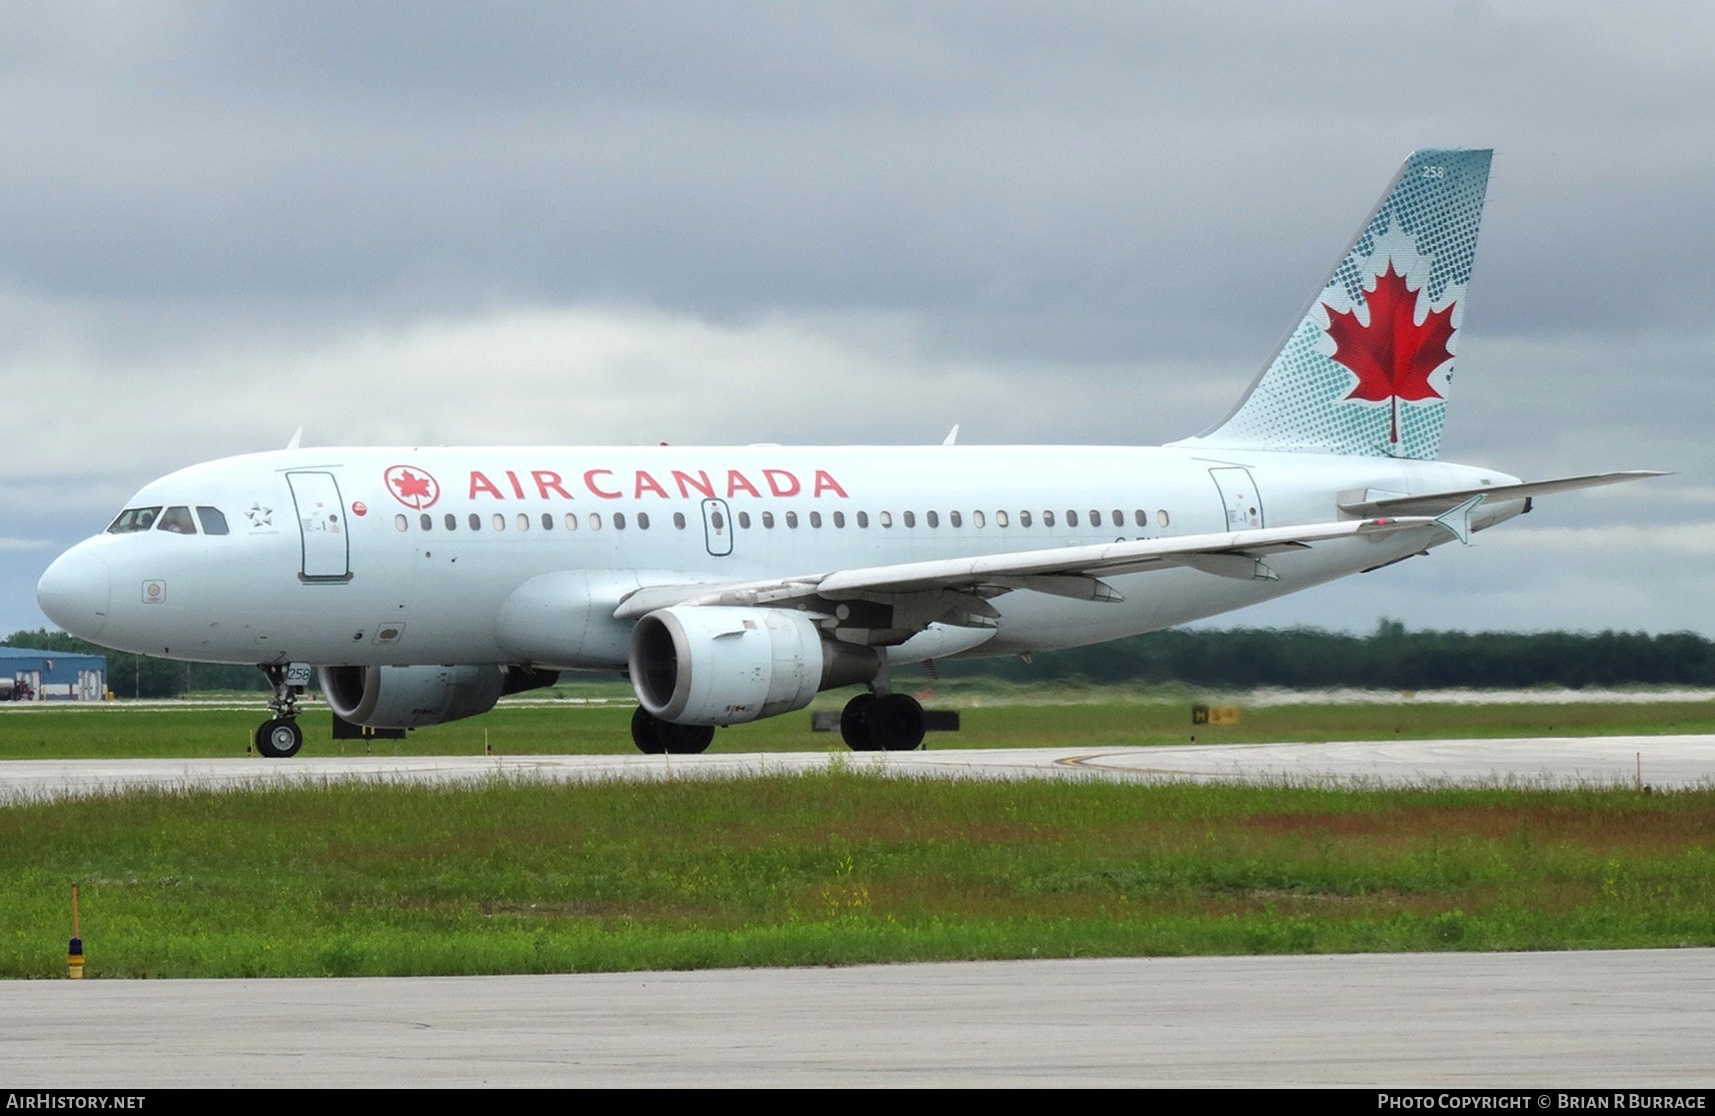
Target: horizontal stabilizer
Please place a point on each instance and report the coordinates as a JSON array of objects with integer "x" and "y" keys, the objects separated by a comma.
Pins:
[{"x": 1438, "y": 503}]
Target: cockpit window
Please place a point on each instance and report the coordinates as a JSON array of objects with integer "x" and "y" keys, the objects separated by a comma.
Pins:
[
  {"x": 134, "y": 519},
  {"x": 177, "y": 519},
  {"x": 213, "y": 520}
]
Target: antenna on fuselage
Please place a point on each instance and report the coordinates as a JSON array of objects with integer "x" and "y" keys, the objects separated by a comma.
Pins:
[
  {"x": 297, "y": 437},
  {"x": 952, "y": 436}
]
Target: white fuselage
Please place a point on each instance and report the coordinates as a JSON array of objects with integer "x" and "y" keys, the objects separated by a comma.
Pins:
[{"x": 412, "y": 556}]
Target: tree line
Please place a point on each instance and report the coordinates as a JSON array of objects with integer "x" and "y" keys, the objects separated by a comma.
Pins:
[{"x": 1389, "y": 658}]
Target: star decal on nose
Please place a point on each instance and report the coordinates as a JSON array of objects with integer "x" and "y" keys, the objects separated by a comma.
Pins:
[{"x": 260, "y": 516}]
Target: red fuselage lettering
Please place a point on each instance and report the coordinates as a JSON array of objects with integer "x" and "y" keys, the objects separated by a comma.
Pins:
[
  {"x": 781, "y": 483},
  {"x": 607, "y": 485},
  {"x": 589, "y": 482},
  {"x": 548, "y": 481}
]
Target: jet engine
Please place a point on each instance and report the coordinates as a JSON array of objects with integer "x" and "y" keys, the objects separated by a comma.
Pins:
[
  {"x": 706, "y": 665},
  {"x": 404, "y": 697}
]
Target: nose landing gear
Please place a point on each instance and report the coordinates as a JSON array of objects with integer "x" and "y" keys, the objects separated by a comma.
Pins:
[{"x": 280, "y": 737}]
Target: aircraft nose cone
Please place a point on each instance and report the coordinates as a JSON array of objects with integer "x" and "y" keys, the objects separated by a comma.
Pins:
[{"x": 76, "y": 592}]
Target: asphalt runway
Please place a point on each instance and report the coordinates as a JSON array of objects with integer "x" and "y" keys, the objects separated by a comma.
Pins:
[{"x": 1632, "y": 1019}]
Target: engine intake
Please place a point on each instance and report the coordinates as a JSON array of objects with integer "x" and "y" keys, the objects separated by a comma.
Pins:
[
  {"x": 404, "y": 697},
  {"x": 704, "y": 665}
]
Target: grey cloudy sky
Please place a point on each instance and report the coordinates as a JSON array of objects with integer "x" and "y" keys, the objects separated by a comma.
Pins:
[{"x": 819, "y": 222}]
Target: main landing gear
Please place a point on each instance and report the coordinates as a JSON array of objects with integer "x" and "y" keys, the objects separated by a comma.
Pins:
[
  {"x": 281, "y": 736},
  {"x": 882, "y": 722},
  {"x": 655, "y": 737},
  {"x": 869, "y": 723}
]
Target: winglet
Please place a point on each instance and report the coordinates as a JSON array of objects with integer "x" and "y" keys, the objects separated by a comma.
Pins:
[{"x": 1458, "y": 519}]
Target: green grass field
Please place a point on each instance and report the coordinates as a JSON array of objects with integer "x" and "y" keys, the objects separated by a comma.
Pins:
[
  {"x": 989, "y": 721},
  {"x": 835, "y": 867}
]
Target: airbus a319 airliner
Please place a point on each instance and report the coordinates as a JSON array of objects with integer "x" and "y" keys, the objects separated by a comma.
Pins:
[{"x": 732, "y": 584}]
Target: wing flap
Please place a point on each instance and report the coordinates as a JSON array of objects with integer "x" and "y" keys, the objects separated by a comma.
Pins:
[{"x": 1064, "y": 571}]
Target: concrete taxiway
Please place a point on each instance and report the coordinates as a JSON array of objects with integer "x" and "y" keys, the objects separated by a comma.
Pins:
[
  {"x": 1661, "y": 762},
  {"x": 1632, "y": 1019}
]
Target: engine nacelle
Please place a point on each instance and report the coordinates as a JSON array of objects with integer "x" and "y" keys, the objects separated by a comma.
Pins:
[
  {"x": 404, "y": 697},
  {"x": 705, "y": 665}
]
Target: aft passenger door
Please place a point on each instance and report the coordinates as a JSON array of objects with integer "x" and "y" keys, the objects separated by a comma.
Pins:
[
  {"x": 1239, "y": 496},
  {"x": 321, "y": 526}
]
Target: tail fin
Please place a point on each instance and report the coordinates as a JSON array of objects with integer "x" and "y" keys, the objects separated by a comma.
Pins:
[{"x": 1368, "y": 368}]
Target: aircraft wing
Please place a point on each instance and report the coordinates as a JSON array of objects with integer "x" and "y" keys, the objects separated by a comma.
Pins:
[
  {"x": 1435, "y": 503},
  {"x": 1067, "y": 571}
]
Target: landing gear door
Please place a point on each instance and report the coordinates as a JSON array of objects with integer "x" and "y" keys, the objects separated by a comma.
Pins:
[
  {"x": 322, "y": 526},
  {"x": 717, "y": 528},
  {"x": 1239, "y": 496}
]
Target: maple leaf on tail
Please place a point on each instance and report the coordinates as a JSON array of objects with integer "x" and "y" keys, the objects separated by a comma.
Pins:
[{"x": 1393, "y": 355}]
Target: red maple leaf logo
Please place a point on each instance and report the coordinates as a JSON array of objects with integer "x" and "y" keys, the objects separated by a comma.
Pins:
[
  {"x": 1393, "y": 356},
  {"x": 414, "y": 488}
]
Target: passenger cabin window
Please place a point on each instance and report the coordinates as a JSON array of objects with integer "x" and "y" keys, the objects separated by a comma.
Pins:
[
  {"x": 679, "y": 520},
  {"x": 953, "y": 518},
  {"x": 791, "y": 519},
  {"x": 933, "y": 519},
  {"x": 547, "y": 521},
  {"x": 1024, "y": 519},
  {"x": 132, "y": 520},
  {"x": 863, "y": 519},
  {"x": 1161, "y": 516},
  {"x": 427, "y": 520},
  {"x": 976, "y": 519},
  {"x": 177, "y": 520},
  {"x": 815, "y": 519},
  {"x": 213, "y": 520},
  {"x": 839, "y": 519},
  {"x": 1047, "y": 519},
  {"x": 400, "y": 523},
  {"x": 1000, "y": 519},
  {"x": 1071, "y": 518}
]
